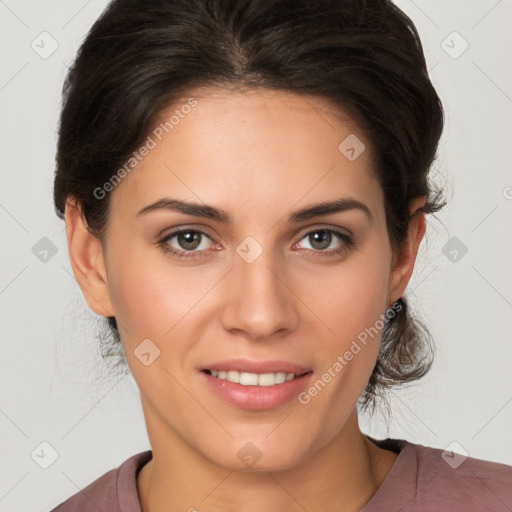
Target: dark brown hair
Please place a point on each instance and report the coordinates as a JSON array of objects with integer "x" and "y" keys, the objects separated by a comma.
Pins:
[{"x": 363, "y": 56}]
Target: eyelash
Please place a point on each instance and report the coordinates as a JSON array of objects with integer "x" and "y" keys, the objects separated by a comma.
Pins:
[{"x": 163, "y": 244}]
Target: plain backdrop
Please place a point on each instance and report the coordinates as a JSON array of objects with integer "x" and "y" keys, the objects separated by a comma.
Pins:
[{"x": 57, "y": 390}]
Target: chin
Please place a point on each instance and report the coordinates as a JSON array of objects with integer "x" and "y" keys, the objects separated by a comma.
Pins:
[{"x": 259, "y": 455}]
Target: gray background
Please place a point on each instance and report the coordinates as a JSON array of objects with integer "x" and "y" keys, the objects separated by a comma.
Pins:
[{"x": 55, "y": 387}]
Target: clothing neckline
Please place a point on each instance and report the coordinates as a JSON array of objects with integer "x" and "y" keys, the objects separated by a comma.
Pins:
[{"x": 405, "y": 464}]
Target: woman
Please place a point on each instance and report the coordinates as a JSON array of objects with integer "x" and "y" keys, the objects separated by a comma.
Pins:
[{"x": 244, "y": 185}]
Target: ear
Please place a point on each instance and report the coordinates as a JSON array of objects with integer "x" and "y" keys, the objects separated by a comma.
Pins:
[
  {"x": 404, "y": 259},
  {"x": 87, "y": 260}
]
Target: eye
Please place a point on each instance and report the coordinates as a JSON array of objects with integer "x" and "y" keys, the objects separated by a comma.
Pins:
[
  {"x": 326, "y": 242},
  {"x": 186, "y": 243},
  {"x": 193, "y": 243}
]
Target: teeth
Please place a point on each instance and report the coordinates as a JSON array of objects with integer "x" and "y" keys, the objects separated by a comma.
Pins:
[
  {"x": 253, "y": 379},
  {"x": 246, "y": 379}
]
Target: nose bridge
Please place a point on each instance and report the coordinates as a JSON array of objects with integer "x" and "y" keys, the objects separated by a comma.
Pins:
[{"x": 259, "y": 303}]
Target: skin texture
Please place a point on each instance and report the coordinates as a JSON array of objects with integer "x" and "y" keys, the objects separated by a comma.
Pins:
[{"x": 258, "y": 155}]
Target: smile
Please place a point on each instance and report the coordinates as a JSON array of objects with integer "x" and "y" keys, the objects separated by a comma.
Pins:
[{"x": 252, "y": 379}]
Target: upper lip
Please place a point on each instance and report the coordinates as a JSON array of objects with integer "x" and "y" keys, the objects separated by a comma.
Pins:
[{"x": 248, "y": 366}]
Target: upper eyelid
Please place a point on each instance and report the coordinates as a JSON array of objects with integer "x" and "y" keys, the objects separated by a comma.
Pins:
[
  {"x": 177, "y": 231},
  {"x": 339, "y": 230}
]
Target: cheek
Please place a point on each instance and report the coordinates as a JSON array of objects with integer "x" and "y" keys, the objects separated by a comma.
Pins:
[
  {"x": 151, "y": 302},
  {"x": 141, "y": 291},
  {"x": 350, "y": 304},
  {"x": 151, "y": 295},
  {"x": 351, "y": 298}
]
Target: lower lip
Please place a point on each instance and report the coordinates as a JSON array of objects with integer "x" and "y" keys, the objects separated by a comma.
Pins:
[{"x": 257, "y": 398}]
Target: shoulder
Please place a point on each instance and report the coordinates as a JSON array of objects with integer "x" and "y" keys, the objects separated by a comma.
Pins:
[
  {"x": 115, "y": 491},
  {"x": 430, "y": 479},
  {"x": 447, "y": 468}
]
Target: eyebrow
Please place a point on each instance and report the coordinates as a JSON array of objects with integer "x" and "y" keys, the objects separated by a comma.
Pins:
[{"x": 210, "y": 212}]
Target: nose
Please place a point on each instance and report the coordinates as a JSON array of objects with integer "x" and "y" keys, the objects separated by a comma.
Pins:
[{"x": 259, "y": 302}]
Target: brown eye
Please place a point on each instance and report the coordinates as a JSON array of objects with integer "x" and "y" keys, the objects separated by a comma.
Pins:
[
  {"x": 189, "y": 240},
  {"x": 320, "y": 240},
  {"x": 186, "y": 243}
]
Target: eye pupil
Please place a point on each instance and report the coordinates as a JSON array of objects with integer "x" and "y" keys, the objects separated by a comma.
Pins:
[
  {"x": 323, "y": 238},
  {"x": 189, "y": 239}
]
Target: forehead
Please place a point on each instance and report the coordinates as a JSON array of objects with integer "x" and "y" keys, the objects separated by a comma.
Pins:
[{"x": 248, "y": 149}]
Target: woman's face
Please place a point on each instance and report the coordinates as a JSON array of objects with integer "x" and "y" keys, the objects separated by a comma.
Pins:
[{"x": 251, "y": 285}]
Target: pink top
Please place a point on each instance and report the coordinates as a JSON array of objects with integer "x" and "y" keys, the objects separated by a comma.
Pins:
[{"x": 421, "y": 480}]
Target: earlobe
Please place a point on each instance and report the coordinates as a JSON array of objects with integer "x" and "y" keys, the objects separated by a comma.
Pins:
[
  {"x": 403, "y": 262},
  {"x": 87, "y": 260}
]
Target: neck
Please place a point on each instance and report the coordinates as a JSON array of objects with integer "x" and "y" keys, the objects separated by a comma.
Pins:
[{"x": 343, "y": 475}]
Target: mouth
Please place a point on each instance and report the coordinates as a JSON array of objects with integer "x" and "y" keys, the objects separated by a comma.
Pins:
[
  {"x": 254, "y": 379},
  {"x": 255, "y": 385}
]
